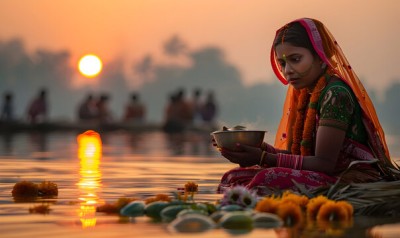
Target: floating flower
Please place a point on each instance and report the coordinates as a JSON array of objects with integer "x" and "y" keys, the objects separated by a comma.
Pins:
[
  {"x": 314, "y": 205},
  {"x": 25, "y": 189},
  {"x": 48, "y": 189},
  {"x": 290, "y": 213},
  {"x": 267, "y": 204},
  {"x": 241, "y": 196},
  {"x": 191, "y": 187},
  {"x": 332, "y": 211},
  {"x": 232, "y": 195},
  {"x": 248, "y": 200},
  {"x": 41, "y": 209}
]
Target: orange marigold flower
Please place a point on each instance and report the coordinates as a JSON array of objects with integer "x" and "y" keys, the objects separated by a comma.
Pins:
[
  {"x": 48, "y": 189},
  {"x": 314, "y": 205},
  {"x": 347, "y": 206},
  {"x": 290, "y": 213},
  {"x": 267, "y": 204},
  {"x": 332, "y": 211},
  {"x": 300, "y": 200},
  {"x": 41, "y": 209},
  {"x": 191, "y": 187},
  {"x": 25, "y": 189}
]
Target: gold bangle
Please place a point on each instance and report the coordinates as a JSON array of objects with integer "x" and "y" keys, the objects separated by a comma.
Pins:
[{"x": 263, "y": 157}]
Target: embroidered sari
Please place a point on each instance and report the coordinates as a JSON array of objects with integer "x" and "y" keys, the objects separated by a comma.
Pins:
[{"x": 343, "y": 104}]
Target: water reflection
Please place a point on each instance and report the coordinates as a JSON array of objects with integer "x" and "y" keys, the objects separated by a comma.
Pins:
[
  {"x": 191, "y": 143},
  {"x": 7, "y": 143},
  {"x": 89, "y": 153},
  {"x": 39, "y": 141}
]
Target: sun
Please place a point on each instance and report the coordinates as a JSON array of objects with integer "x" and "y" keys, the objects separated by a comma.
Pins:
[{"x": 90, "y": 65}]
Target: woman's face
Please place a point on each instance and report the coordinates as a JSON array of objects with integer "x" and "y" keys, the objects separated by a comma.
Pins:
[{"x": 299, "y": 66}]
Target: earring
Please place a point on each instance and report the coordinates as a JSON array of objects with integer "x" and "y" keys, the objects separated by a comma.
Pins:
[{"x": 323, "y": 65}]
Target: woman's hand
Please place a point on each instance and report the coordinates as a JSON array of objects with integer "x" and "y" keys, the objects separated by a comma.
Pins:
[{"x": 245, "y": 156}]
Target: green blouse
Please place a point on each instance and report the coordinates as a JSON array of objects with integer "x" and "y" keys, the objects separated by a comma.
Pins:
[{"x": 338, "y": 107}]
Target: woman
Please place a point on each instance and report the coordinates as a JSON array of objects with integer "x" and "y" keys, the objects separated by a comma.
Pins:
[{"x": 328, "y": 120}]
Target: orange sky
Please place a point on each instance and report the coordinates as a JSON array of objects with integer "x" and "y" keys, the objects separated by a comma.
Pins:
[{"x": 368, "y": 31}]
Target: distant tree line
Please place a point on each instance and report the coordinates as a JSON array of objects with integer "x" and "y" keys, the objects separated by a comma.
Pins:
[{"x": 259, "y": 105}]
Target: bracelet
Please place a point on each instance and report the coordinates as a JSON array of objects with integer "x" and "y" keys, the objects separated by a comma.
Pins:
[
  {"x": 263, "y": 157},
  {"x": 290, "y": 161}
]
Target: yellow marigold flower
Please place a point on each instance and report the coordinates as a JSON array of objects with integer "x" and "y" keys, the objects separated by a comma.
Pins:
[
  {"x": 290, "y": 213},
  {"x": 191, "y": 187},
  {"x": 48, "y": 189},
  {"x": 314, "y": 205},
  {"x": 332, "y": 211},
  {"x": 41, "y": 209},
  {"x": 267, "y": 204}
]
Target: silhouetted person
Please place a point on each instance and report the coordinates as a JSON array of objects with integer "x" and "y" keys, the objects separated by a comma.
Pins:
[
  {"x": 195, "y": 106},
  {"x": 209, "y": 109},
  {"x": 172, "y": 117},
  {"x": 87, "y": 109},
  {"x": 103, "y": 111},
  {"x": 135, "y": 111},
  {"x": 37, "y": 110},
  {"x": 185, "y": 111},
  {"x": 7, "y": 111}
]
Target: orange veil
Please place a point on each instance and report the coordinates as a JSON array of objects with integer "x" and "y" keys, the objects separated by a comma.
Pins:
[{"x": 330, "y": 52}]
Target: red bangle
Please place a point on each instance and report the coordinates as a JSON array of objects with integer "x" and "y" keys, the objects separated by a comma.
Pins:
[{"x": 290, "y": 161}]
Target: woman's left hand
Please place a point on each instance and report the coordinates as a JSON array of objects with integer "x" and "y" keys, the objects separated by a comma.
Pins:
[{"x": 245, "y": 156}]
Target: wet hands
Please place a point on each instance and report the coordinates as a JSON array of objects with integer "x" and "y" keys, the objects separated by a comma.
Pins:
[{"x": 245, "y": 155}]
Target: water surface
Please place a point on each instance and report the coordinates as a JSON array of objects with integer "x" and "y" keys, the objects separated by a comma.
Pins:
[{"x": 131, "y": 165}]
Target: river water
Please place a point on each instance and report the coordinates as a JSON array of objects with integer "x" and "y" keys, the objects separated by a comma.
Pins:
[{"x": 130, "y": 165}]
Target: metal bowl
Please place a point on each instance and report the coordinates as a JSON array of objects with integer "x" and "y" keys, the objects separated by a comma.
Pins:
[{"x": 228, "y": 138}]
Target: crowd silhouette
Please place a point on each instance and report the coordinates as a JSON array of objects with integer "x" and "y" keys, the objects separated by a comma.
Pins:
[{"x": 180, "y": 112}]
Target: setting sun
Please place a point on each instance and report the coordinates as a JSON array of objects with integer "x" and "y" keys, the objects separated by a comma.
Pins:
[{"x": 90, "y": 65}]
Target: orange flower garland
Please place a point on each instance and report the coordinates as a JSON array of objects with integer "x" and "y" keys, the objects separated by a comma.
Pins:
[
  {"x": 305, "y": 119},
  {"x": 299, "y": 123}
]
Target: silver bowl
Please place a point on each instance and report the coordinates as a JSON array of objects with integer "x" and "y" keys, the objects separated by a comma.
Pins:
[{"x": 228, "y": 138}]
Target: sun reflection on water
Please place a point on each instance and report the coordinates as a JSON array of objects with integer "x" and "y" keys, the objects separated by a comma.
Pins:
[{"x": 89, "y": 153}]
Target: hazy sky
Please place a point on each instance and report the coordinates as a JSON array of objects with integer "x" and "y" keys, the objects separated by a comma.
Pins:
[{"x": 367, "y": 30}]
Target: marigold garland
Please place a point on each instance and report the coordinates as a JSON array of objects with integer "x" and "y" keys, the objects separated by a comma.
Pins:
[{"x": 304, "y": 125}]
